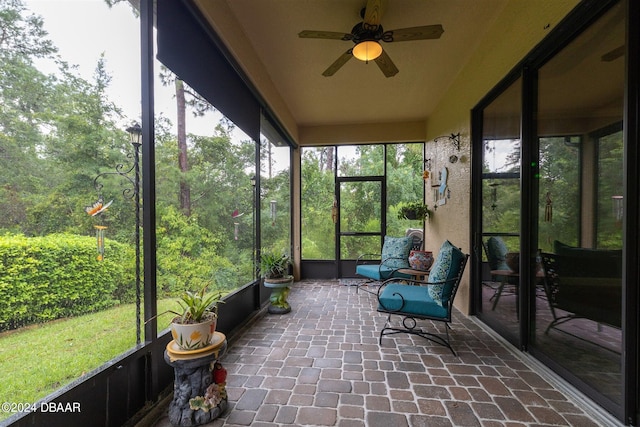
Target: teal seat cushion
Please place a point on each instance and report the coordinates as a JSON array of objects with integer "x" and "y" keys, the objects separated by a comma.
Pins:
[
  {"x": 395, "y": 251},
  {"x": 497, "y": 254},
  {"x": 417, "y": 301},
  {"x": 445, "y": 267},
  {"x": 378, "y": 272}
]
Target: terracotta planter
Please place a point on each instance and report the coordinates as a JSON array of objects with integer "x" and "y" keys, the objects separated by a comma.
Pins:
[
  {"x": 421, "y": 260},
  {"x": 193, "y": 336}
]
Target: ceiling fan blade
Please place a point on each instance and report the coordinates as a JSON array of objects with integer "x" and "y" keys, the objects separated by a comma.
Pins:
[
  {"x": 332, "y": 35},
  {"x": 338, "y": 63},
  {"x": 613, "y": 54},
  {"x": 414, "y": 33},
  {"x": 373, "y": 14},
  {"x": 386, "y": 65}
]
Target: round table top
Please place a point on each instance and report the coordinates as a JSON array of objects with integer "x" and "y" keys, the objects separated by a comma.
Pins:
[{"x": 175, "y": 355}]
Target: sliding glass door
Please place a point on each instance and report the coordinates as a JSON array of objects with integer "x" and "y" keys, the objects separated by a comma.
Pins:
[
  {"x": 550, "y": 209},
  {"x": 500, "y": 196},
  {"x": 578, "y": 308}
]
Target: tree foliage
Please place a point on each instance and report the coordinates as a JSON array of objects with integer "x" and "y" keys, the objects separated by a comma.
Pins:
[{"x": 58, "y": 132}]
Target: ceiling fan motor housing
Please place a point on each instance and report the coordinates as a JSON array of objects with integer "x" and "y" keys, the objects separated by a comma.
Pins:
[{"x": 360, "y": 33}]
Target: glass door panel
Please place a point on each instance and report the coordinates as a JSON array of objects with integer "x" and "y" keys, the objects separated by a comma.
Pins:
[
  {"x": 360, "y": 226},
  {"x": 501, "y": 204},
  {"x": 578, "y": 309}
]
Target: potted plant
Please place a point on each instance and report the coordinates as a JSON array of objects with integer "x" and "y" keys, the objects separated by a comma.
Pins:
[
  {"x": 414, "y": 210},
  {"x": 194, "y": 326},
  {"x": 274, "y": 268}
]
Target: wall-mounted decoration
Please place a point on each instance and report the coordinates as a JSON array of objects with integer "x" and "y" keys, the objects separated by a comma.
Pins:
[
  {"x": 454, "y": 139},
  {"x": 442, "y": 189}
]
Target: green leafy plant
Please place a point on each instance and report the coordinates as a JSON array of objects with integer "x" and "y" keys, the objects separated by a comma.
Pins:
[
  {"x": 414, "y": 210},
  {"x": 51, "y": 277},
  {"x": 273, "y": 264},
  {"x": 196, "y": 306}
]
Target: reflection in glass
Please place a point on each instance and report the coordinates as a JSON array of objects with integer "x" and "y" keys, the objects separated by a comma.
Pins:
[
  {"x": 501, "y": 212},
  {"x": 579, "y": 304}
]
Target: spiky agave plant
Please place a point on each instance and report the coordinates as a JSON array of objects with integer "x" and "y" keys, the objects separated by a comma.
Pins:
[
  {"x": 273, "y": 264},
  {"x": 196, "y": 306}
]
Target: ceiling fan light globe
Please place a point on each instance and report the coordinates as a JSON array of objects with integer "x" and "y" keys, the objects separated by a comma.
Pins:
[{"x": 367, "y": 50}]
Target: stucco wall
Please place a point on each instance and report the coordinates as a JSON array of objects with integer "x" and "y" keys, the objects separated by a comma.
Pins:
[{"x": 519, "y": 28}]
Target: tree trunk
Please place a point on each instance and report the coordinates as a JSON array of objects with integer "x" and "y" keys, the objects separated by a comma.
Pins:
[{"x": 183, "y": 164}]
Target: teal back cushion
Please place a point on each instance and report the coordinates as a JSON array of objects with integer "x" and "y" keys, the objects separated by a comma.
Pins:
[
  {"x": 445, "y": 267},
  {"x": 395, "y": 251},
  {"x": 497, "y": 254}
]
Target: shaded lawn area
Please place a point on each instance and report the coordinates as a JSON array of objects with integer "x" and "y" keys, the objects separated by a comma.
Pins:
[{"x": 38, "y": 359}]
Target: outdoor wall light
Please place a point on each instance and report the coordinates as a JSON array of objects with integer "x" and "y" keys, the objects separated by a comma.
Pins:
[
  {"x": 367, "y": 50},
  {"x": 135, "y": 134}
]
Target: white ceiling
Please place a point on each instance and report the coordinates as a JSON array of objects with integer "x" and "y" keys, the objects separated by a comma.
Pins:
[{"x": 263, "y": 35}]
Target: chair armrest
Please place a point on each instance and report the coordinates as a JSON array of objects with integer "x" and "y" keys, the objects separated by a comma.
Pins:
[
  {"x": 368, "y": 257},
  {"x": 414, "y": 282}
]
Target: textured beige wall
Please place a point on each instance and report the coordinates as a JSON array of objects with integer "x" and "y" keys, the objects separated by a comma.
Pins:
[{"x": 520, "y": 27}]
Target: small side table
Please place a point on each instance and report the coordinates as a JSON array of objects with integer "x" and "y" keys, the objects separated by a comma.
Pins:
[
  {"x": 199, "y": 394},
  {"x": 416, "y": 274}
]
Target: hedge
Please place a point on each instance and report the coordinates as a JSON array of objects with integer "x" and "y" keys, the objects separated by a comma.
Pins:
[{"x": 59, "y": 275}]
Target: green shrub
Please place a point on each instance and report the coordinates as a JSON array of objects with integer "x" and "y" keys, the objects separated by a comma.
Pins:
[
  {"x": 47, "y": 278},
  {"x": 188, "y": 257}
]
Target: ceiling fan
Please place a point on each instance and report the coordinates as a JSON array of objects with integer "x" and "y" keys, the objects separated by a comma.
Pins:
[{"x": 367, "y": 36}]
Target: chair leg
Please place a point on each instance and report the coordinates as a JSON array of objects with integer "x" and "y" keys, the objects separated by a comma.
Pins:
[
  {"x": 497, "y": 295},
  {"x": 410, "y": 327},
  {"x": 365, "y": 284}
]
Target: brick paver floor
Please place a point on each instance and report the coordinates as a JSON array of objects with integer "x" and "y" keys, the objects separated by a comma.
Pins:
[{"x": 322, "y": 365}]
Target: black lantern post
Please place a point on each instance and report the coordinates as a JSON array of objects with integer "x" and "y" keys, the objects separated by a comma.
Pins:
[{"x": 135, "y": 138}]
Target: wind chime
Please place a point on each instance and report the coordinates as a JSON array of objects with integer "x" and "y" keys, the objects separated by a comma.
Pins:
[
  {"x": 95, "y": 210},
  {"x": 236, "y": 225},
  {"x": 100, "y": 237},
  {"x": 494, "y": 195},
  {"x": 618, "y": 209},
  {"x": 548, "y": 208}
]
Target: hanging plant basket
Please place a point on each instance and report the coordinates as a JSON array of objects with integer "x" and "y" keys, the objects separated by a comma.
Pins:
[{"x": 414, "y": 211}]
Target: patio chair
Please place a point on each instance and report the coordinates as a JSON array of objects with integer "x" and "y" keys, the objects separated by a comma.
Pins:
[
  {"x": 424, "y": 300},
  {"x": 379, "y": 267},
  {"x": 417, "y": 235},
  {"x": 496, "y": 252}
]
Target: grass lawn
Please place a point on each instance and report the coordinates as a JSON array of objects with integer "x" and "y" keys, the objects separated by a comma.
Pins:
[{"x": 37, "y": 360}]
